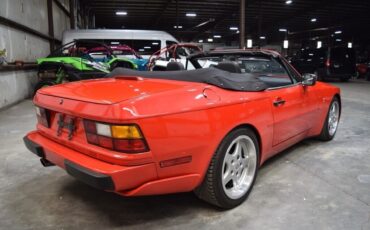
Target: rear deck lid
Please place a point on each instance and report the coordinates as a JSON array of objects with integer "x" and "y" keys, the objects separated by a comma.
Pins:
[{"x": 112, "y": 90}]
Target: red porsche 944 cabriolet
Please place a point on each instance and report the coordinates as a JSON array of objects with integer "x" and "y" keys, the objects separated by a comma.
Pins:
[{"x": 206, "y": 130}]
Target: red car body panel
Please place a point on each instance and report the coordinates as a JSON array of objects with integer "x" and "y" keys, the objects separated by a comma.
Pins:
[{"x": 179, "y": 120}]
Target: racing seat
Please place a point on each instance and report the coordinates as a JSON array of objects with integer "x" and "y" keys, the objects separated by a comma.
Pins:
[
  {"x": 229, "y": 66},
  {"x": 173, "y": 66}
]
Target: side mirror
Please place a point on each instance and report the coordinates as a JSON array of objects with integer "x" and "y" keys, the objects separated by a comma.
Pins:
[{"x": 309, "y": 79}]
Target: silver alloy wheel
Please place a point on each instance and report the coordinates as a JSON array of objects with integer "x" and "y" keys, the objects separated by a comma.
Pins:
[
  {"x": 333, "y": 118},
  {"x": 239, "y": 167}
]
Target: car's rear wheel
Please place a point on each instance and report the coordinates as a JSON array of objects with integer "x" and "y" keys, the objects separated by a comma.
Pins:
[
  {"x": 232, "y": 171},
  {"x": 332, "y": 120}
]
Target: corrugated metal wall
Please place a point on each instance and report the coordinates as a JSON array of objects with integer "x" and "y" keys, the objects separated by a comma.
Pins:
[{"x": 19, "y": 45}]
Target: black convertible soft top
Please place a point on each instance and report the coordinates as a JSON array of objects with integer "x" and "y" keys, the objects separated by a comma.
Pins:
[{"x": 212, "y": 76}]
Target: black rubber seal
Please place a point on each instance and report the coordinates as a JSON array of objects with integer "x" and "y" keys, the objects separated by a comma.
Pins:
[
  {"x": 34, "y": 147},
  {"x": 94, "y": 179}
]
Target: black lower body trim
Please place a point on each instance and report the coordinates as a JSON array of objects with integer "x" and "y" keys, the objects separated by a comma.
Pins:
[
  {"x": 89, "y": 177},
  {"x": 33, "y": 147}
]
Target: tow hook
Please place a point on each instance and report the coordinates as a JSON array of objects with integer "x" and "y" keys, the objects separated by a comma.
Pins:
[{"x": 46, "y": 163}]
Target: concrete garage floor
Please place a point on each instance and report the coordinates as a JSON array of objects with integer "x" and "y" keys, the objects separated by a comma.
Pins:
[{"x": 313, "y": 185}]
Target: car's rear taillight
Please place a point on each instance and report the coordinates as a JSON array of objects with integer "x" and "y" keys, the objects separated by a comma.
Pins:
[
  {"x": 327, "y": 63},
  {"x": 43, "y": 116},
  {"x": 121, "y": 138}
]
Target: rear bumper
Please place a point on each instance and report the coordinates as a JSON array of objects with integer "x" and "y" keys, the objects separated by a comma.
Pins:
[
  {"x": 124, "y": 180},
  {"x": 33, "y": 147},
  {"x": 97, "y": 173},
  {"x": 91, "y": 178}
]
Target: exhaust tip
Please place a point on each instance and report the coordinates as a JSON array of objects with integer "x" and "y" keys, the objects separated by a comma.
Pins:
[{"x": 46, "y": 163}]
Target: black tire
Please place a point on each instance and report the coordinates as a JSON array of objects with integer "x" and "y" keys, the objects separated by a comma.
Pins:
[
  {"x": 325, "y": 134},
  {"x": 42, "y": 84},
  {"x": 211, "y": 190}
]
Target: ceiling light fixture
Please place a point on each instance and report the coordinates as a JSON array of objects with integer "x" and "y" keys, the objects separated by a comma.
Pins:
[
  {"x": 286, "y": 44},
  {"x": 262, "y": 37},
  {"x": 191, "y": 14},
  {"x": 288, "y": 2},
  {"x": 283, "y": 30},
  {"x": 217, "y": 36},
  {"x": 249, "y": 43},
  {"x": 319, "y": 44},
  {"x": 313, "y": 19},
  {"x": 121, "y": 13},
  {"x": 180, "y": 27},
  {"x": 338, "y": 32}
]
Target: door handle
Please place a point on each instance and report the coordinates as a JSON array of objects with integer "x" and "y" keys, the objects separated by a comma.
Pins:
[{"x": 279, "y": 102}]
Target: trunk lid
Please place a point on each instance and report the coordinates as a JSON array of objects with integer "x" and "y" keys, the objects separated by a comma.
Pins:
[{"x": 112, "y": 90}]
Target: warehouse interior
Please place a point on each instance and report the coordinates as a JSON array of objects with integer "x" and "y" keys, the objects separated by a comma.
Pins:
[{"x": 310, "y": 185}]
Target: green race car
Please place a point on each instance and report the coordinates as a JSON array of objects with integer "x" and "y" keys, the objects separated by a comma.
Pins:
[{"x": 79, "y": 60}]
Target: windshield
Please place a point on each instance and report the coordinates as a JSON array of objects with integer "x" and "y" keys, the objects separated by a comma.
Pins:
[
  {"x": 247, "y": 64},
  {"x": 266, "y": 68}
]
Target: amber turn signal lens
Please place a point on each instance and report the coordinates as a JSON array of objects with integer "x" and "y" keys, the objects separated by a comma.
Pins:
[{"x": 126, "y": 132}]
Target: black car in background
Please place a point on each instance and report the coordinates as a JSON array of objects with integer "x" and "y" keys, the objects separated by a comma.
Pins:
[{"x": 337, "y": 62}]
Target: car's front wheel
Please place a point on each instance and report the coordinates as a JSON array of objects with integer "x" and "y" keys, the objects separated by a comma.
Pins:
[
  {"x": 332, "y": 120},
  {"x": 232, "y": 171}
]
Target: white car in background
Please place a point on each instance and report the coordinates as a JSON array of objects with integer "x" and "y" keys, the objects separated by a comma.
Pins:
[{"x": 144, "y": 42}]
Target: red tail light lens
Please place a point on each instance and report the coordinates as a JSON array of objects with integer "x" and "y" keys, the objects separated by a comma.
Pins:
[
  {"x": 92, "y": 138},
  {"x": 135, "y": 145},
  {"x": 105, "y": 142},
  {"x": 90, "y": 127},
  {"x": 43, "y": 116},
  {"x": 121, "y": 138}
]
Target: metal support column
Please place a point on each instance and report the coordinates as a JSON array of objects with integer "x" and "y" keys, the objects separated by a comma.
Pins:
[
  {"x": 72, "y": 14},
  {"x": 242, "y": 25},
  {"x": 51, "y": 23},
  {"x": 177, "y": 19}
]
